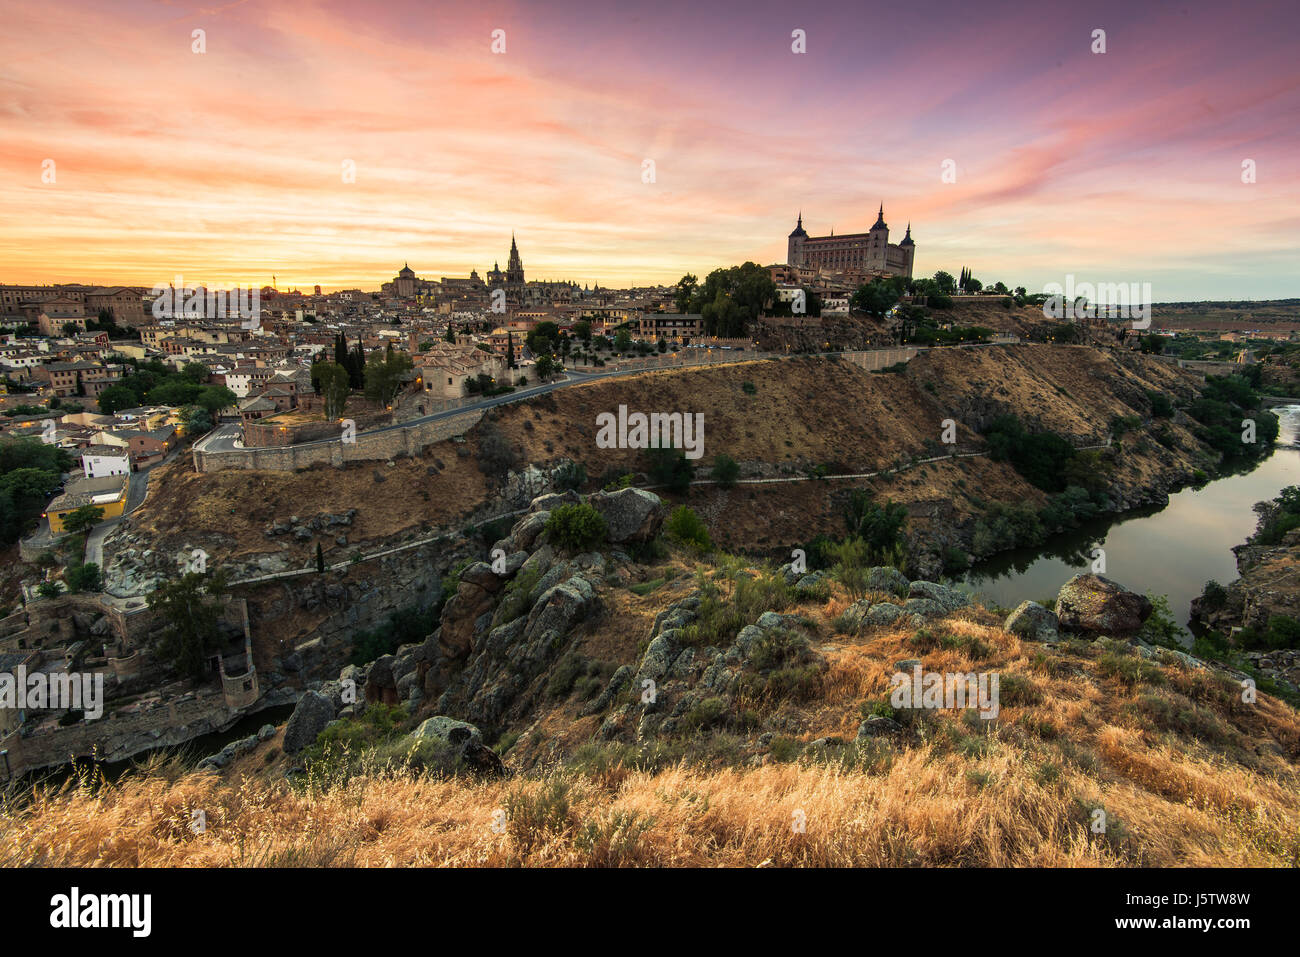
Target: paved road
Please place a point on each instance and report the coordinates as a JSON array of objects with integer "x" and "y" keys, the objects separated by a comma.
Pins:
[
  {"x": 137, "y": 489},
  {"x": 225, "y": 438}
]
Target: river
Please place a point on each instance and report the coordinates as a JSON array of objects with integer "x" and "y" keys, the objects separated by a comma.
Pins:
[{"x": 1171, "y": 551}]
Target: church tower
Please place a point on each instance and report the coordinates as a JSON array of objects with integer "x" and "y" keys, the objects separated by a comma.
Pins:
[{"x": 514, "y": 266}]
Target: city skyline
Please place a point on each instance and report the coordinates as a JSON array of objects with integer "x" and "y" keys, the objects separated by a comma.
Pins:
[{"x": 226, "y": 165}]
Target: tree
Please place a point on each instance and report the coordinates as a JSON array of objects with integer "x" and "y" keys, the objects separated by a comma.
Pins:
[
  {"x": 945, "y": 282},
  {"x": 195, "y": 419},
  {"x": 384, "y": 374},
  {"x": 355, "y": 363},
  {"x": 875, "y": 298},
  {"x": 196, "y": 372},
  {"x": 622, "y": 340},
  {"x": 671, "y": 468},
  {"x": 213, "y": 398},
  {"x": 450, "y": 335},
  {"x": 320, "y": 559},
  {"x": 542, "y": 338},
  {"x": 174, "y": 392},
  {"x": 545, "y": 367},
  {"x": 729, "y": 298},
  {"x": 582, "y": 329},
  {"x": 686, "y": 292},
  {"x": 725, "y": 470},
  {"x": 510, "y": 351},
  {"x": 82, "y": 578},
  {"x": 334, "y": 387},
  {"x": 190, "y": 608},
  {"x": 1152, "y": 344},
  {"x": 82, "y": 519},
  {"x": 23, "y": 493},
  {"x": 116, "y": 398}
]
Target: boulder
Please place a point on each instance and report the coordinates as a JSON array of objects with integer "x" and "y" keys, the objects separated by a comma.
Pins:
[
  {"x": 481, "y": 574},
  {"x": 631, "y": 514},
  {"x": 1096, "y": 604},
  {"x": 886, "y": 579},
  {"x": 447, "y": 731},
  {"x": 924, "y": 608},
  {"x": 554, "y": 500},
  {"x": 450, "y": 746},
  {"x": 812, "y": 581},
  {"x": 882, "y": 613},
  {"x": 949, "y": 598},
  {"x": 525, "y": 531},
  {"x": 309, "y": 718},
  {"x": 1032, "y": 621},
  {"x": 877, "y": 725}
]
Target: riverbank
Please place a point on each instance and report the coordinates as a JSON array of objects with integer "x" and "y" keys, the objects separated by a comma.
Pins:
[{"x": 1171, "y": 550}]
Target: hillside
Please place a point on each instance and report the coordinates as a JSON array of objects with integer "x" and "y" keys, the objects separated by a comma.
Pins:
[
  {"x": 777, "y": 418},
  {"x": 801, "y": 731},
  {"x": 1270, "y": 316}
]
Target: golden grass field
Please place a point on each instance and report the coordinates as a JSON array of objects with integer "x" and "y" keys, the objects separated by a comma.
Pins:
[{"x": 1187, "y": 774}]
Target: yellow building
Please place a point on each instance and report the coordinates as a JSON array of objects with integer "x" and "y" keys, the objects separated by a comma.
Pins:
[{"x": 108, "y": 493}]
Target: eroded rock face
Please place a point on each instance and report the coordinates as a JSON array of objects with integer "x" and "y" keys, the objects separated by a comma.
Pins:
[
  {"x": 474, "y": 598},
  {"x": 502, "y": 666},
  {"x": 1093, "y": 603},
  {"x": 631, "y": 514}
]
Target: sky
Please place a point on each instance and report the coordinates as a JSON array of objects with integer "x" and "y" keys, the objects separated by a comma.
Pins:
[{"x": 129, "y": 158}]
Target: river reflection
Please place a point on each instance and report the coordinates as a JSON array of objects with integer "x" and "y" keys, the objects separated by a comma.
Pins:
[{"x": 1171, "y": 551}]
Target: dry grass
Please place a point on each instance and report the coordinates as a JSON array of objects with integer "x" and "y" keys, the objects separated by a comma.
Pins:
[
  {"x": 927, "y": 809},
  {"x": 950, "y": 792},
  {"x": 1188, "y": 775}
]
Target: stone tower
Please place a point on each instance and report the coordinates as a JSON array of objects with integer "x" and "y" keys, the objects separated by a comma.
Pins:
[
  {"x": 909, "y": 248},
  {"x": 794, "y": 248}
]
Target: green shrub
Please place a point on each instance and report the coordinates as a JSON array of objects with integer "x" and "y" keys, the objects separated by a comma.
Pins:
[
  {"x": 576, "y": 528},
  {"x": 1040, "y": 457},
  {"x": 687, "y": 528},
  {"x": 705, "y": 715}
]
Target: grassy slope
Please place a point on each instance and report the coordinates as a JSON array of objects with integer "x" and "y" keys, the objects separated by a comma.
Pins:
[{"x": 1187, "y": 774}]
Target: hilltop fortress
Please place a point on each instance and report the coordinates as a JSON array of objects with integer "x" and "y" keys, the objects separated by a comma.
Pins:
[{"x": 866, "y": 254}]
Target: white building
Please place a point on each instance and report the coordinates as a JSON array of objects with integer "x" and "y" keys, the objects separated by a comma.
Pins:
[{"x": 100, "y": 461}]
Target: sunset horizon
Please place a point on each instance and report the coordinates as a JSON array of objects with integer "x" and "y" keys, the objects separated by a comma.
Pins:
[{"x": 229, "y": 165}]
